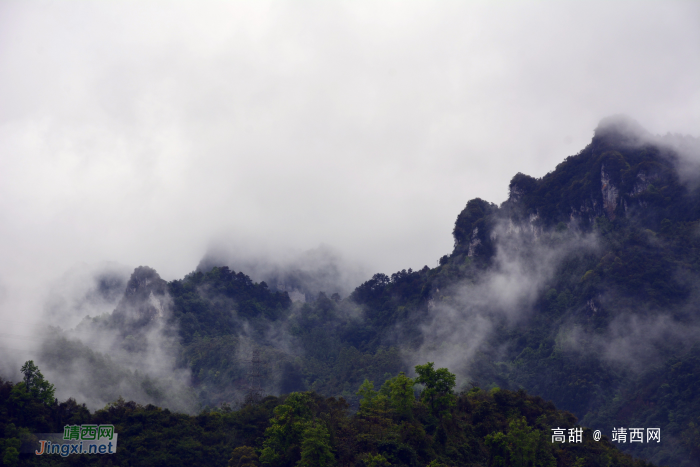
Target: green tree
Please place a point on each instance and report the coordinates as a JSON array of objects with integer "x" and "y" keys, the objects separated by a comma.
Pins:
[
  {"x": 243, "y": 456},
  {"x": 399, "y": 389},
  {"x": 11, "y": 457},
  {"x": 498, "y": 448},
  {"x": 376, "y": 461},
  {"x": 36, "y": 384},
  {"x": 522, "y": 442},
  {"x": 316, "y": 448},
  {"x": 519, "y": 447},
  {"x": 33, "y": 386},
  {"x": 284, "y": 435},
  {"x": 439, "y": 386},
  {"x": 367, "y": 394}
]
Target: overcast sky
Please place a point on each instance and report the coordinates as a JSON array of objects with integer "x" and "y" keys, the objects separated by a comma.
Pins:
[{"x": 140, "y": 132}]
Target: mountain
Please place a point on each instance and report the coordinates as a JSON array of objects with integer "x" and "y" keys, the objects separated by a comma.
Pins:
[
  {"x": 580, "y": 288},
  {"x": 611, "y": 333}
]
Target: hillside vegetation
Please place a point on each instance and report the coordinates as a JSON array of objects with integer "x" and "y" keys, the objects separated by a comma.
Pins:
[{"x": 392, "y": 427}]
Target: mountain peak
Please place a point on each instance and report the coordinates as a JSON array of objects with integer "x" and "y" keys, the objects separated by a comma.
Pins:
[
  {"x": 621, "y": 129},
  {"x": 143, "y": 297}
]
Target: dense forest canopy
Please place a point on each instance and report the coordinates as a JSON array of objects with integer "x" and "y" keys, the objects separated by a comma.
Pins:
[{"x": 391, "y": 427}]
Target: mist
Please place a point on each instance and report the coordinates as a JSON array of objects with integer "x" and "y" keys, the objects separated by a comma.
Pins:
[
  {"x": 321, "y": 269},
  {"x": 341, "y": 137},
  {"x": 463, "y": 317},
  {"x": 681, "y": 149}
]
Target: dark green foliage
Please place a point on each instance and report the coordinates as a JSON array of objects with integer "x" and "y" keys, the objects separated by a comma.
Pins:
[
  {"x": 33, "y": 386},
  {"x": 473, "y": 228},
  {"x": 438, "y": 388},
  {"x": 316, "y": 449},
  {"x": 207, "y": 304},
  {"x": 243, "y": 456},
  {"x": 399, "y": 390},
  {"x": 305, "y": 429}
]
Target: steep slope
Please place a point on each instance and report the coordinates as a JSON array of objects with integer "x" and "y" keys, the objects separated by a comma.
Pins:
[{"x": 580, "y": 288}]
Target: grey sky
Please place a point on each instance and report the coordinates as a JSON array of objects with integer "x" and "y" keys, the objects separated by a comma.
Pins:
[{"x": 140, "y": 133}]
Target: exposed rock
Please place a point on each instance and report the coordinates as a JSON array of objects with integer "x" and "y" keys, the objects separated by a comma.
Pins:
[
  {"x": 643, "y": 181},
  {"x": 610, "y": 193},
  {"x": 145, "y": 297},
  {"x": 475, "y": 242}
]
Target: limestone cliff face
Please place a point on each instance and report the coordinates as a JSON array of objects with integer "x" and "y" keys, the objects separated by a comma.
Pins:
[
  {"x": 643, "y": 182},
  {"x": 610, "y": 193},
  {"x": 145, "y": 297},
  {"x": 623, "y": 172},
  {"x": 474, "y": 242}
]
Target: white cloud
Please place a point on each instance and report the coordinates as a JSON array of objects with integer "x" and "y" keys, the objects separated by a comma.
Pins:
[{"x": 139, "y": 132}]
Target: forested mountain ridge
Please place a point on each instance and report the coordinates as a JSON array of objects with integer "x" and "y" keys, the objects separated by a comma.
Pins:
[
  {"x": 609, "y": 242},
  {"x": 580, "y": 288}
]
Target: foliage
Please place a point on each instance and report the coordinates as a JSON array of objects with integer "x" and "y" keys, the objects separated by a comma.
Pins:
[
  {"x": 316, "y": 450},
  {"x": 438, "y": 388},
  {"x": 243, "y": 456},
  {"x": 33, "y": 385},
  {"x": 399, "y": 389},
  {"x": 304, "y": 429},
  {"x": 367, "y": 394},
  {"x": 376, "y": 461},
  {"x": 283, "y": 438}
]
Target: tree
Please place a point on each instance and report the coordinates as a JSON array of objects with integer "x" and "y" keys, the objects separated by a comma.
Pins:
[
  {"x": 399, "y": 389},
  {"x": 520, "y": 447},
  {"x": 316, "y": 448},
  {"x": 367, "y": 393},
  {"x": 11, "y": 456},
  {"x": 243, "y": 456},
  {"x": 376, "y": 461},
  {"x": 284, "y": 435},
  {"x": 522, "y": 442},
  {"x": 439, "y": 386},
  {"x": 498, "y": 447},
  {"x": 33, "y": 386}
]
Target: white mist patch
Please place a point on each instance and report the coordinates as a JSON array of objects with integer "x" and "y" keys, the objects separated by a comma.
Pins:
[
  {"x": 110, "y": 343},
  {"x": 452, "y": 338},
  {"x": 62, "y": 302},
  {"x": 683, "y": 150},
  {"x": 142, "y": 366},
  {"x": 631, "y": 342},
  {"x": 298, "y": 272},
  {"x": 463, "y": 316},
  {"x": 85, "y": 290}
]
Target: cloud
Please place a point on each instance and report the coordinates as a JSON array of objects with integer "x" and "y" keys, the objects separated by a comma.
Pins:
[
  {"x": 85, "y": 290},
  {"x": 682, "y": 150},
  {"x": 639, "y": 337},
  {"x": 320, "y": 269},
  {"x": 137, "y": 133}
]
